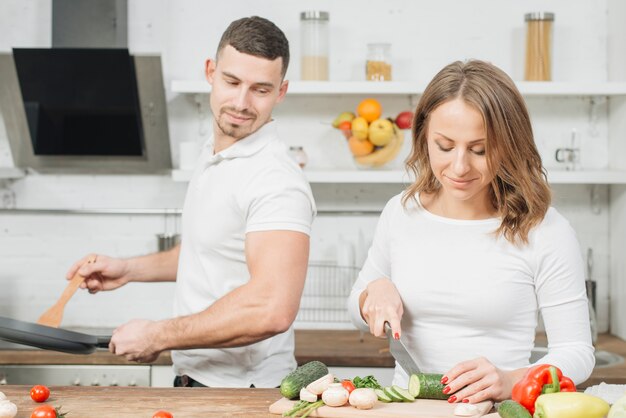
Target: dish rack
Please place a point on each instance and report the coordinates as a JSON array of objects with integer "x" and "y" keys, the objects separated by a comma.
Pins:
[{"x": 325, "y": 295}]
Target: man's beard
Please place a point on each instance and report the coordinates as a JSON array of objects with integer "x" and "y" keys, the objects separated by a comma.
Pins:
[{"x": 232, "y": 130}]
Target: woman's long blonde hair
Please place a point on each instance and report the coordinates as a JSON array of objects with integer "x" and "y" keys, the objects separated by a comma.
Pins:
[{"x": 519, "y": 190}]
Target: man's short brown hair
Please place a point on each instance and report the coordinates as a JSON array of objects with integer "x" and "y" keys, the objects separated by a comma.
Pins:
[{"x": 256, "y": 36}]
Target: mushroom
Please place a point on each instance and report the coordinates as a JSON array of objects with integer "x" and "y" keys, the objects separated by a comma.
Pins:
[
  {"x": 307, "y": 395},
  {"x": 465, "y": 410},
  {"x": 321, "y": 384},
  {"x": 335, "y": 395},
  {"x": 7, "y": 409},
  {"x": 363, "y": 398}
]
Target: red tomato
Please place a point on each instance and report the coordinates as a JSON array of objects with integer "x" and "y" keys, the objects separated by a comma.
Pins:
[
  {"x": 45, "y": 411},
  {"x": 39, "y": 393},
  {"x": 162, "y": 414},
  {"x": 348, "y": 385}
]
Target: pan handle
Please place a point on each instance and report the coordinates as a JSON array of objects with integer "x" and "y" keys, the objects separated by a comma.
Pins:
[{"x": 103, "y": 341}]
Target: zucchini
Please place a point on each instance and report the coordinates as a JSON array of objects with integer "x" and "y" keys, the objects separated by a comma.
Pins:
[
  {"x": 301, "y": 377},
  {"x": 427, "y": 386},
  {"x": 512, "y": 409}
]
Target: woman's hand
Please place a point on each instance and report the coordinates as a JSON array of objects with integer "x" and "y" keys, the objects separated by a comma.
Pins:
[
  {"x": 479, "y": 380},
  {"x": 380, "y": 302},
  {"x": 100, "y": 272}
]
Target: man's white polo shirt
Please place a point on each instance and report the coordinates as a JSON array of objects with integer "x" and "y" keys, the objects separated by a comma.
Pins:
[{"x": 251, "y": 186}]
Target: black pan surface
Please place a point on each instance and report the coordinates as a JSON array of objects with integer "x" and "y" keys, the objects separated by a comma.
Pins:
[{"x": 50, "y": 338}]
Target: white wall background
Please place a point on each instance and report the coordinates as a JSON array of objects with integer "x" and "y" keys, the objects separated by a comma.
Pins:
[{"x": 36, "y": 250}]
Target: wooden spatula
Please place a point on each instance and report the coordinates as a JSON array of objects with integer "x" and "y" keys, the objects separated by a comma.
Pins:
[{"x": 53, "y": 316}]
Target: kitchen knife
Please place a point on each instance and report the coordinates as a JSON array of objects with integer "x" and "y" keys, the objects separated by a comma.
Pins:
[{"x": 400, "y": 353}]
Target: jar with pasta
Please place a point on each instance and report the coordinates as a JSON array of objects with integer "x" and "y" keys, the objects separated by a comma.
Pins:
[
  {"x": 378, "y": 64},
  {"x": 538, "y": 66}
]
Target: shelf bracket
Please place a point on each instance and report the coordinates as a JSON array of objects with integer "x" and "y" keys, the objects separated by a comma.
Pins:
[
  {"x": 594, "y": 104},
  {"x": 7, "y": 195},
  {"x": 201, "y": 108},
  {"x": 594, "y": 199}
]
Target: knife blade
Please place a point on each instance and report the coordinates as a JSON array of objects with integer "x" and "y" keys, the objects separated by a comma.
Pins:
[{"x": 400, "y": 353}]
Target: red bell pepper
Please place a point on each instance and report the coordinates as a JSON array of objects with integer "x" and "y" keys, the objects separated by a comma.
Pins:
[{"x": 540, "y": 379}]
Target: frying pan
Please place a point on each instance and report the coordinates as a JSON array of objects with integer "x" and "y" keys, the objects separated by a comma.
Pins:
[{"x": 50, "y": 338}]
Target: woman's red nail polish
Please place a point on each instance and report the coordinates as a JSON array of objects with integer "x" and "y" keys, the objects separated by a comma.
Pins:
[
  {"x": 446, "y": 389},
  {"x": 452, "y": 399},
  {"x": 465, "y": 400},
  {"x": 396, "y": 336},
  {"x": 444, "y": 380}
]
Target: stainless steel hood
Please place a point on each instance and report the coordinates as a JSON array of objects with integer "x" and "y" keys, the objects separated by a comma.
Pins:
[{"x": 86, "y": 105}]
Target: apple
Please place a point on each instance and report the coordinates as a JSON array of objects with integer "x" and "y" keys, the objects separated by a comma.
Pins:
[
  {"x": 404, "y": 120},
  {"x": 381, "y": 132},
  {"x": 360, "y": 128},
  {"x": 343, "y": 116}
]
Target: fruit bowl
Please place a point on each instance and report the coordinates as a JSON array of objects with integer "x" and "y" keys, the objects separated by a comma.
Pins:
[
  {"x": 372, "y": 139},
  {"x": 367, "y": 155}
]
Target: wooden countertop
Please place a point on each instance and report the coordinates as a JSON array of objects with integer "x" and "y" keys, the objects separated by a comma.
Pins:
[
  {"x": 334, "y": 348},
  {"x": 120, "y": 402}
]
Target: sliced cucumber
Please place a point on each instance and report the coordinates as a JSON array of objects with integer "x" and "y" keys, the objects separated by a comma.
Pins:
[
  {"x": 403, "y": 393},
  {"x": 382, "y": 396},
  {"x": 392, "y": 394},
  {"x": 414, "y": 385}
]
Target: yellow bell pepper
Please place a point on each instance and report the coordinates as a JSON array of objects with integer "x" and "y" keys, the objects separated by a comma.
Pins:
[
  {"x": 570, "y": 405},
  {"x": 618, "y": 410}
]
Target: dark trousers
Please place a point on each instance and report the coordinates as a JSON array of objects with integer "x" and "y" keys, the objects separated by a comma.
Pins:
[{"x": 185, "y": 381}]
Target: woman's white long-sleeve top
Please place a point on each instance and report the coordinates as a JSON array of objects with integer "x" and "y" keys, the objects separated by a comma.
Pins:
[{"x": 467, "y": 293}]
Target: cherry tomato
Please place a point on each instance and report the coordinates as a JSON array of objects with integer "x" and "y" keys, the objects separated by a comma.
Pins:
[
  {"x": 39, "y": 393},
  {"x": 162, "y": 414},
  {"x": 46, "y": 411},
  {"x": 348, "y": 385}
]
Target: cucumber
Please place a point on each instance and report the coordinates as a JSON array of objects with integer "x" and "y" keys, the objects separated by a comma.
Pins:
[
  {"x": 403, "y": 393},
  {"x": 427, "y": 386},
  {"x": 382, "y": 396},
  {"x": 392, "y": 394},
  {"x": 302, "y": 376},
  {"x": 512, "y": 409}
]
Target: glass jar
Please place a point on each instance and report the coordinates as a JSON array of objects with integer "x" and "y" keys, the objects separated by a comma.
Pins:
[
  {"x": 538, "y": 66},
  {"x": 314, "y": 45},
  {"x": 378, "y": 64},
  {"x": 298, "y": 154}
]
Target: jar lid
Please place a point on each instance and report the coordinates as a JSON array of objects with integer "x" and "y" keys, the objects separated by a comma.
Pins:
[
  {"x": 539, "y": 16},
  {"x": 314, "y": 15}
]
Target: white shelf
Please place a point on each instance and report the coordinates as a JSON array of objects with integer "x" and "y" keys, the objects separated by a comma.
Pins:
[
  {"x": 11, "y": 173},
  {"x": 414, "y": 88},
  {"x": 400, "y": 177}
]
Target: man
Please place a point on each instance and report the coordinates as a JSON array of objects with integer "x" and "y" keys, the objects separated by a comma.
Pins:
[{"x": 241, "y": 266}]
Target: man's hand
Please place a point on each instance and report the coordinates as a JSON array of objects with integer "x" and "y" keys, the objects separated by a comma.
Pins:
[
  {"x": 105, "y": 273},
  {"x": 380, "y": 303},
  {"x": 137, "y": 340},
  {"x": 479, "y": 380}
]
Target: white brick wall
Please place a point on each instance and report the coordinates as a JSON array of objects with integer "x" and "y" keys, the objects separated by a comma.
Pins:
[{"x": 36, "y": 250}]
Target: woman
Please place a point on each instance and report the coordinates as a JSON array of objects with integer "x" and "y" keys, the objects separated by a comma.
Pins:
[{"x": 465, "y": 258}]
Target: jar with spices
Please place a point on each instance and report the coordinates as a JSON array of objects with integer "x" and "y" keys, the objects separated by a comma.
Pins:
[
  {"x": 378, "y": 64},
  {"x": 314, "y": 45},
  {"x": 298, "y": 154},
  {"x": 538, "y": 66}
]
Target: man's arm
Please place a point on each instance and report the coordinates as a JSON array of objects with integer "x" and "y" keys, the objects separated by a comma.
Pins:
[
  {"x": 108, "y": 273},
  {"x": 265, "y": 306}
]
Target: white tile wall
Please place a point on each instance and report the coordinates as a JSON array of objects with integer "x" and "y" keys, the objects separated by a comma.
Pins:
[{"x": 36, "y": 250}]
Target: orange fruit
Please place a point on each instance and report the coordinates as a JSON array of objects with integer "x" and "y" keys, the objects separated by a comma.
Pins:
[
  {"x": 369, "y": 109},
  {"x": 360, "y": 147}
]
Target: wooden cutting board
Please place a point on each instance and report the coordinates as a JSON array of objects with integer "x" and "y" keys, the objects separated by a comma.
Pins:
[{"x": 420, "y": 408}]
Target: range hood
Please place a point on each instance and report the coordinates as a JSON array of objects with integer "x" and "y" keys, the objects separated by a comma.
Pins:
[{"x": 77, "y": 108}]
